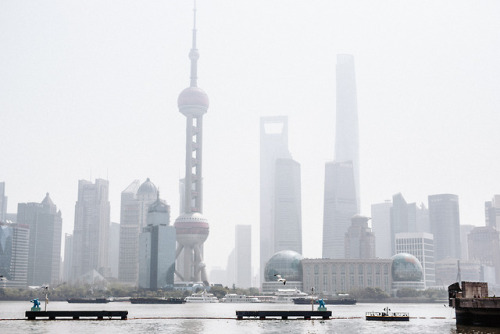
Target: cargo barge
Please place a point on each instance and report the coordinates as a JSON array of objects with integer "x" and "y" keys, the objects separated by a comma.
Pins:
[
  {"x": 153, "y": 300},
  {"x": 473, "y": 306}
]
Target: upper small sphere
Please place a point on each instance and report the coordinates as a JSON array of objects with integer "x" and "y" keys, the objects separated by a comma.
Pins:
[
  {"x": 193, "y": 96},
  {"x": 147, "y": 188},
  {"x": 406, "y": 267}
]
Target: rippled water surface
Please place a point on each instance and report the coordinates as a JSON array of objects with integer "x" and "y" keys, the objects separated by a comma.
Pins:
[{"x": 220, "y": 318}]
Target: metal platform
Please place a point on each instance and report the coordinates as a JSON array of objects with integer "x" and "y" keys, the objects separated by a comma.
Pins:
[
  {"x": 75, "y": 315},
  {"x": 262, "y": 315}
]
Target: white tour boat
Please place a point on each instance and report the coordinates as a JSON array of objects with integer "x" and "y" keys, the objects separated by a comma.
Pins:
[
  {"x": 234, "y": 298},
  {"x": 286, "y": 296},
  {"x": 202, "y": 297}
]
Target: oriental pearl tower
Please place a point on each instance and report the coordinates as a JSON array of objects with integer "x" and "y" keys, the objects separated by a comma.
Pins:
[{"x": 191, "y": 227}]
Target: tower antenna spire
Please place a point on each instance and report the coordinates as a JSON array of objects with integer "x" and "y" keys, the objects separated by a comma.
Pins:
[{"x": 194, "y": 54}]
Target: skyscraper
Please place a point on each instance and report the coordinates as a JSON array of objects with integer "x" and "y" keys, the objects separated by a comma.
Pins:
[
  {"x": 492, "y": 212},
  {"x": 346, "y": 129},
  {"x": 280, "y": 192},
  {"x": 359, "y": 239},
  {"x": 342, "y": 194},
  {"x": 68, "y": 257},
  {"x": 381, "y": 226},
  {"x": 45, "y": 225},
  {"x": 287, "y": 206},
  {"x": 157, "y": 248},
  {"x": 407, "y": 218},
  {"x": 90, "y": 234},
  {"x": 191, "y": 227},
  {"x": 135, "y": 201},
  {"x": 464, "y": 242},
  {"x": 14, "y": 247},
  {"x": 418, "y": 218},
  {"x": 114, "y": 249},
  {"x": 445, "y": 225},
  {"x": 243, "y": 255},
  {"x": 399, "y": 218},
  {"x": 484, "y": 246},
  {"x": 339, "y": 207},
  {"x": 3, "y": 202},
  {"x": 420, "y": 245}
]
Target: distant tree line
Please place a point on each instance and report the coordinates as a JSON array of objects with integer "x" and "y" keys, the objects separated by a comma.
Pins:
[
  {"x": 66, "y": 291},
  {"x": 378, "y": 294}
]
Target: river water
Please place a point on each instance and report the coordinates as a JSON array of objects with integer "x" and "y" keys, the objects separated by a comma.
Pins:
[{"x": 221, "y": 318}]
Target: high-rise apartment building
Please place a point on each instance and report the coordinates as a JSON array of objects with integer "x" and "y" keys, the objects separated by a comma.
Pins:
[
  {"x": 342, "y": 184},
  {"x": 280, "y": 192},
  {"x": 243, "y": 255},
  {"x": 445, "y": 225},
  {"x": 14, "y": 248},
  {"x": 91, "y": 229},
  {"x": 359, "y": 239},
  {"x": 420, "y": 245},
  {"x": 45, "y": 225},
  {"x": 492, "y": 212},
  {"x": 157, "y": 248},
  {"x": 381, "y": 227},
  {"x": 3, "y": 203},
  {"x": 135, "y": 201}
]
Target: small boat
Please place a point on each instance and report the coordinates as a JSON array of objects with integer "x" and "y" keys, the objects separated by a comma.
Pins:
[
  {"x": 203, "y": 297},
  {"x": 156, "y": 300},
  {"x": 234, "y": 298},
  {"x": 89, "y": 300},
  {"x": 386, "y": 315}
]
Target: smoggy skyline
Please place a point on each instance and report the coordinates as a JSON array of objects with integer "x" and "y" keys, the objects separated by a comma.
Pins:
[{"x": 89, "y": 90}]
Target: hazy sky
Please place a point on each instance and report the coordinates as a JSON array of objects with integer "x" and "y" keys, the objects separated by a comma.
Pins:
[{"x": 89, "y": 89}]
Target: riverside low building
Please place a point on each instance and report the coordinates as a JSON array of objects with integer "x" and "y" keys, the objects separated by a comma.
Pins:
[{"x": 332, "y": 276}]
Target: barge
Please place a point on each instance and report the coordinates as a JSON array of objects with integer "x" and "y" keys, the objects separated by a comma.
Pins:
[
  {"x": 473, "y": 306},
  {"x": 153, "y": 300}
]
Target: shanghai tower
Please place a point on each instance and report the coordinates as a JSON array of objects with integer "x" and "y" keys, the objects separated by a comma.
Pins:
[
  {"x": 191, "y": 227},
  {"x": 341, "y": 197}
]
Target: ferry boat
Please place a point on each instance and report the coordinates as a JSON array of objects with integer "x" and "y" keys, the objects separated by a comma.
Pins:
[
  {"x": 234, "y": 298},
  {"x": 286, "y": 296},
  {"x": 386, "y": 315},
  {"x": 202, "y": 297},
  {"x": 156, "y": 300}
]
